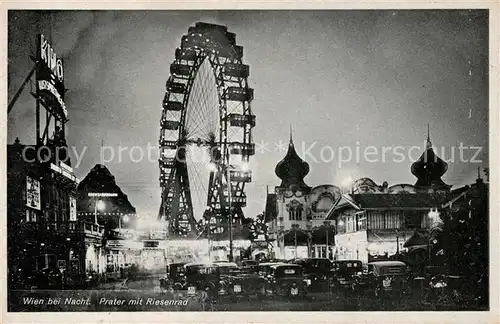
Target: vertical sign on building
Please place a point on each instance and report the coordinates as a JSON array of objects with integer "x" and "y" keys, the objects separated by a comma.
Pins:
[
  {"x": 50, "y": 77},
  {"x": 33, "y": 193},
  {"x": 72, "y": 208}
]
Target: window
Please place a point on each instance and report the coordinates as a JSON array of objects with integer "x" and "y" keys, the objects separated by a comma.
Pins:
[
  {"x": 361, "y": 223},
  {"x": 55, "y": 205},
  {"x": 30, "y": 215},
  {"x": 294, "y": 210},
  {"x": 392, "y": 219},
  {"x": 64, "y": 208},
  {"x": 341, "y": 225},
  {"x": 375, "y": 220},
  {"x": 385, "y": 220},
  {"x": 295, "y": 214},
  {"x": 350, "y": 224}
]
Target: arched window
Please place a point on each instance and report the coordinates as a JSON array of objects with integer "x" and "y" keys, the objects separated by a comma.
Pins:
[{"x": 295, "y": 209}]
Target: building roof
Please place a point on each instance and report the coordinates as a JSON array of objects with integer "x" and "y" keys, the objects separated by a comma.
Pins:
[
  {"x": 100, "y": 180},
  {"x": 418, "y": 238},
  {"x": 390, "y": 201},
  {"x": 292, "y": 169},
  {"x": 400, "y": 201},
  {"x": 429, "y": 169}
]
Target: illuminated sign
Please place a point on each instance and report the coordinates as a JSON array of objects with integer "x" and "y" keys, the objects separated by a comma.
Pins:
[
  {"x": 33, "y": 193},
  {"x": 72, "y": 208},
  {"x": 49, "y": 57},
  {"x": 50, "y": 77},
  {"x": 123, "y": 244},
  {"x": 44, "y": 85},
  {"x": 64, "y": 171},
  {"x": 102, "y": 194}
]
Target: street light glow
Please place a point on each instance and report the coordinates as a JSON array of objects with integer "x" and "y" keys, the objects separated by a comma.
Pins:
[
  {"x": 245, "y": 167},
  {"x": 212, "y": 167},
  {"x": 125, "y": 219},
  {"x": 347, "y": 182},
  {"x": 101, "y": 205}
]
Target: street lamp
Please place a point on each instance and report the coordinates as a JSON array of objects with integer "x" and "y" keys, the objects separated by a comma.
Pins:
[
  {"x": 346, "y": 183},
  {"x": 212, "y": 167},
  {"x": 124, "y": 220},
  {"x": 245, "y": 167},
  {"x": 99, "y": 206}
]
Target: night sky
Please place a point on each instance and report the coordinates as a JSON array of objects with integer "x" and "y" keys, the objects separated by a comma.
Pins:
[{"x": 339, "y": 78}]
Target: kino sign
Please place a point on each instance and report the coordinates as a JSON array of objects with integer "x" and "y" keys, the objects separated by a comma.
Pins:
[{"x": 49, "y": 57}]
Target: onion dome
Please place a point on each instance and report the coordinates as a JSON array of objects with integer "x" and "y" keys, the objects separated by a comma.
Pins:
[
  {"x": 292, "y": 169},
  {"x": 429, "y": 169}
]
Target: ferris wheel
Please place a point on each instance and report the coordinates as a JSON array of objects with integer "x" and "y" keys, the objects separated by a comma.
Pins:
[{"x": 206, "y": 133}]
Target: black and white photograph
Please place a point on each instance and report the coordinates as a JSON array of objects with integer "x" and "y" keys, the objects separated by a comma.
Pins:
[{"x": 249, "y": 160}]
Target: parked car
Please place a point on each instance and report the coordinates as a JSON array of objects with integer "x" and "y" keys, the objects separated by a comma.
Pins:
[
  {"x": 387, "y": 278},
  {"x": 317, "y": 272},
  {"x": 226, "y": 269},
  {"x": 49, "y": 278},
  {"x": 348, "y": 273},
  {"x": 244, "y": 282},
  {"x": 286, "y": 280},
  {"x": 204, "y": 277},
  {"x": 264, "y": 268},
  {"x": 249, "y": 265},
  {"x": 175, "y": 278}
]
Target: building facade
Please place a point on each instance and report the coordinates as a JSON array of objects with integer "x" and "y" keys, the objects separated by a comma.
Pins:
[
  {"x": 374, "y": 222},
  {"x": 101, "y": 202},
  {"x": 295, "y": 212},
  {"x": 43, "y": 228}
]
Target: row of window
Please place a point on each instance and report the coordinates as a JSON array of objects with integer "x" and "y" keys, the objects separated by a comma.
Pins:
[
  {"x": 59, "y": 210},
  {"x": 352, "y": 223},
  {"x": 381, "y": 220}
]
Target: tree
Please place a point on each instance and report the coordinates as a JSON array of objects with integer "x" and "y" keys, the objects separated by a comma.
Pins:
[{"x": 466, "y": 235}]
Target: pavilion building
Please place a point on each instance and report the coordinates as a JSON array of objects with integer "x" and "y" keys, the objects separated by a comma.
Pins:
[
  {"x": 374, "y": 222},
  {"x": 295, "y": 212}
]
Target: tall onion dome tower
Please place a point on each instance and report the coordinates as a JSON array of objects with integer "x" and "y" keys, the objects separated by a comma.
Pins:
[
  {"x": 292, "y": 169},
  {"x": 429, "y": 169}
]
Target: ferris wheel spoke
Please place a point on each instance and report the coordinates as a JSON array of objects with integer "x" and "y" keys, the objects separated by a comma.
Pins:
[
  {"x": 204, "y": 123},
  {"x": 197, "y": 186},
  {"x": 202, "y": 102}
]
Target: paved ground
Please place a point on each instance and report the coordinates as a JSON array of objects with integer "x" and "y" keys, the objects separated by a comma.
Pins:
[{"x": 143, "y": 295}]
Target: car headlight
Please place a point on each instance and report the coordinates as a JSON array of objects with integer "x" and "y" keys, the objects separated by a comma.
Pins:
[
  {"x": 439, "y": 284},
  {"x": 308, "y": 282}
]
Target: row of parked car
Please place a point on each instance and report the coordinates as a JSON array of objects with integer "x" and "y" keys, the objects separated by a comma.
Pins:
[{"x": 292, "y": 278}]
